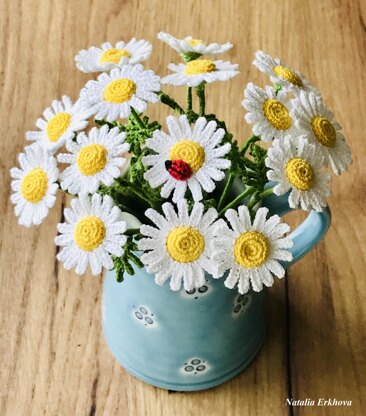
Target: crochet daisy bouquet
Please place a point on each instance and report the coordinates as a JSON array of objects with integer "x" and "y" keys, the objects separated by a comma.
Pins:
[{"x": 185, "y": 198}]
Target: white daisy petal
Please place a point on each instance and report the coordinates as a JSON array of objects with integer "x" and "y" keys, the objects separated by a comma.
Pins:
[
  {"x": 197, "y": 46},
  {"x": 88, "y": 238},
  {"x": 34, "y": 185},
  {"x": 108, "y": 57},
  {"x": 280, "y": 74},
  {"x": 60, "y": 126},
  {"x": 197, "y": 71},
  {"x": 112, "y": 95},
  {"x": 268, "y": 112},
  {"x": 186, "y": 157},
  {"x": 181, "y": 249},
  {"x": 316, "y": 122},
  {"x": 93, "y": 161},
  {"x": 250, "y": 251},
  {"x": 292, "y": 166}
]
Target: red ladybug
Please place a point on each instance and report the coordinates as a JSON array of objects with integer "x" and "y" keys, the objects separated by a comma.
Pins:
[{"x": 179, "y": 169}]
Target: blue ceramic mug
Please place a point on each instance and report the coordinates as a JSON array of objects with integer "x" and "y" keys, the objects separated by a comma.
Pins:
[{"x": 194, "y": 340}]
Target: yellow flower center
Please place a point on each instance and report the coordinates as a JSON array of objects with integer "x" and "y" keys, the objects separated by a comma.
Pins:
[
  {"x": 277, "y": 114},
  {"x": 288, "y": 75},
  {"x": 190, "y": 152},
  {"x": 57, "y": 126},
  {"x": 113, "y": 55},
  {"x": 300, "y": 173},
  {"x": 324, "y": 131},
  {"x": 195, "y": 42},
  {"x": 199, "y": 66},
  {"x": 89, "y": 233},
  {"x": 34, "y": 185},
  {"x": 119, "y": 91},
  {"x": 92, "y": 159},
  {"x": 185, "y": 244},
  {"x": 251, "y": 249}
]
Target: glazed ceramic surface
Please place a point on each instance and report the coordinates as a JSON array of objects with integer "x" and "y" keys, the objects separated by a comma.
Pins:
[{"x": 194, "y": 340}]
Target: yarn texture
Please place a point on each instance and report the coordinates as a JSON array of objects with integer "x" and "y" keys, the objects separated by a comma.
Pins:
[
  {"x": 324, "y": 131},
  {"x": 89, "y": 233},
  {"x": 188, "y": 189},
  {"x": 57, "y": 126},
  {"x": 199, "y": 66},
  {"x": 92, "y": 159},
  {"x": 277, "y": 114},
  {"x": 288, "y": 75},
  {"x": 251, "y": 249},
  {"x": 34, "y": 185},
  {"x": 185, "y": 244},
  {"x": 113, "y": 55},
  {"x": 119, "y": 91},
  {"x": 190, "y": 152},
  {"x": 300, "y": 173}
]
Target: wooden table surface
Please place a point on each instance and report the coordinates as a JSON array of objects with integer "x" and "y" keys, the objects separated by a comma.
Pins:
[{"x": 53, "y": 357}]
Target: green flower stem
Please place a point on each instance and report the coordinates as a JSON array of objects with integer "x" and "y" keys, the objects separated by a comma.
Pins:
[
  {"x": 259, "y": 197},
  {"x": 200, "y": 90},
  {"x": 165, "y": 99},
  {"x": 235, "y": 201},
  {"x": 226, "y": 191},
  {"x": 230, "y": 180},
  {"x": 189, "y": 99},
  {"x": 137, "y": 118},
  {"x": 266, "y": 192},
  {"x": 248, "y": 142}
]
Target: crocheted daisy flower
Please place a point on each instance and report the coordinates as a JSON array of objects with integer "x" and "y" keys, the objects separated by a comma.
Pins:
[
  {"x": 281, "y": 74},
  {"x": 186, "y": 158},
  {"x": 93, "y": 232},
  {"x": 179, "y": 246},
  {"x": 34, "y": 185},
  {"x": 60, "y": 123},
  {"x": 108, "y": 57},
  {"x": 188, "y": 44},
  {"x": 197, "y": 71},
  {"x": 94, "y": 159},
  {"x": 251, "y": 251},
  {"x": 112, "y": 95},
  {"x": 268, "y": 111},
  {"x": 295, "y": 164},
  {"x": 314, "y": 120}
]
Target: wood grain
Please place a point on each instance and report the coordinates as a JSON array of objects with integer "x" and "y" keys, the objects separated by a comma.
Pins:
[{"x": 53, "y": 358}]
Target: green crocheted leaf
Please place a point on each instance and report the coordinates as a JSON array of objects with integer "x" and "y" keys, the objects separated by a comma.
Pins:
[{"x": 124, "y": 263}]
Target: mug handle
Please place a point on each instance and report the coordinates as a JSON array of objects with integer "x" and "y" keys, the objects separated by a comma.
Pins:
[{"x": 308, "y": 234}]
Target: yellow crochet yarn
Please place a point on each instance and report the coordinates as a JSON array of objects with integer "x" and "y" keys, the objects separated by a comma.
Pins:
[
  {"x": 190, "y": 152},
  {"x": 277, "y": 114},
  {"x": 195, "y": 42},
  {"x": 251, "y": 249},
  {"x": 288, "y": 75},
  {"x": 119, "y": 91},
  {"x": 89, "y": 233},
  {"x": 199, "y": 66},
  {"x": 324, "y": 131},
  {"x": 300, "y": 173},
  {"x": 57, "y": 126},
  {"x": 92, "y": 159},
  {"x": 34, "y": 185},
  {"x": 185, "y": 244},
  {"x": 113, "y": 55}
]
